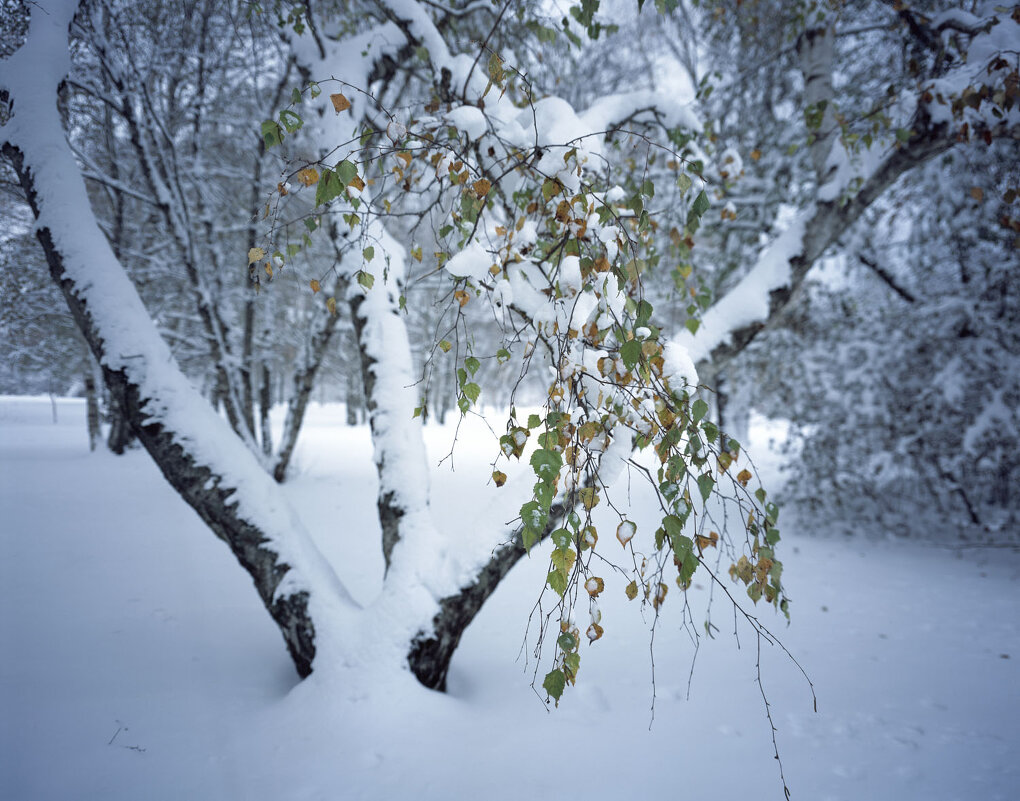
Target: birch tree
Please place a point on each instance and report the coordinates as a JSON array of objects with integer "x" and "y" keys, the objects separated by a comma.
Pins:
[{"x": 426, "y": 154}]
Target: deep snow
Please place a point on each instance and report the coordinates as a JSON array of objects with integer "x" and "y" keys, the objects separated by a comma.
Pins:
[{"x": 137, "y": 661}]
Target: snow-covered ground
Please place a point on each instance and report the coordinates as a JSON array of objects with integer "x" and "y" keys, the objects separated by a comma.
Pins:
[{"x": 136, "y": 661}]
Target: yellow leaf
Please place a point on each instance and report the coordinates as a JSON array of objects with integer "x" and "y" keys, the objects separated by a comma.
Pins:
[
  {"x": 625, "y": 532},
  {"x": 481, "y": 187},
  {"x": 589, "y": 497},
  {"x": 499, "y": 478},
  {"x": 594, "y": 632},
  {"x": 340, "y": 103},
  {"x": 308, "y": 176},
  {"x": 594, "y": 586},
  {"x": 314, "y": 285},
  {"x": 269, "y": 269},
  {"x": 744, "y": 476},
  {"x": 563, "y": 211},
  {"x": 977, "y": 193},
  {"x": 755, "y": 154},
  {"x": 405, "y": 157},
  {"x": 357, "y": 183},
  {"x": 255, "y": 254},
  {"x": 631, "y": 590},
  {"x": 462, "y": 297},
  {"x": 660, "y": 595},
  {"x": 331, "y": 305}
]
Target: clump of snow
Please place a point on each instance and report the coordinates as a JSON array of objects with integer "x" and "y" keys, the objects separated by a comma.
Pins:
[
  {"x": 473, "y": 263},
  {"x": 468, "y": 119}
]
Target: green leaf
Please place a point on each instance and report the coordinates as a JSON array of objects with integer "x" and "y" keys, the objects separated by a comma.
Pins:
[
  {"x": 561, "y": 538},
  {"x": 271, "y": 133},
  {"x": 699, "y": 409},
  {"x": 472, "y": 364},
  {"x": 546, "y": 463},
  {"x": 700, "y": 205},
  {"x": 692, "y": 324},
  {"x": 683, "y": 181},
  {"x": 705, "y": 485},
  {"x": 554, "y": 683},
  {"x": 674, "y": 527},
  {"x": 472, "y": 391},
  {"x": 366, "y": 279},
  {"x": 760, "y": 495},
  {"x": 368, "y": 253},
  {"x": 347, "y": 171},
  {"x": 534, "y": 421},
  {"x": 557, "y": 582},
  {"x": 567, "y": 641},
  {"x": 502, "y": 355},
  {"x": 291, "y": 120},
  {"x": 329, "y": 186},
  {"x": 534, "y": 518},
  {"x": 571, "y": 662},
  {"x": 630, "y": 352}
]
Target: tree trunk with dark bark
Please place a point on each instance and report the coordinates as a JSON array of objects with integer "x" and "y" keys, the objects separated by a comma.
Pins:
[{"x": 186, "y": 472}]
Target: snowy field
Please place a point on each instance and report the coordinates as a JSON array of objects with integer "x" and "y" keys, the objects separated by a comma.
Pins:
[{"x": 136, "y": 661}]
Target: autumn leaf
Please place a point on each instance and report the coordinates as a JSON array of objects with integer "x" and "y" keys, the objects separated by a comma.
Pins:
[
  {"x": 331, "y": 305},
  {"x": 462, "y": 297},
  {"x": 755, "y": 154},
  {"x": 594, "y": 586},
  {"x": 308, "y": 176},
  {"x": 357, "y": 183},
  {"x": 710, "y": 541},
  {"x": 340, "y": 103},
  {"x": 255, "y": 254},
  {"x": 499, "y": 478},
  {"x": 743, "y": 477},
  {"x": 631, "y": 590},
  {"x": 625, "y": 532},
  {"x": 481, "y": 187},
  {"x": 977, "y": 193},
  {"x": 594, "y": 632},
  {"x": 314, "y": 285}
]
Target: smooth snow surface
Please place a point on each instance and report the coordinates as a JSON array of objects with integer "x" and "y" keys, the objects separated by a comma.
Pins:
[{"x": 138, "y": 663}]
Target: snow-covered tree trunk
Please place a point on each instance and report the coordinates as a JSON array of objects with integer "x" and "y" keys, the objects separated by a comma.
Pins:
[{"x": 209, "y": 467}]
